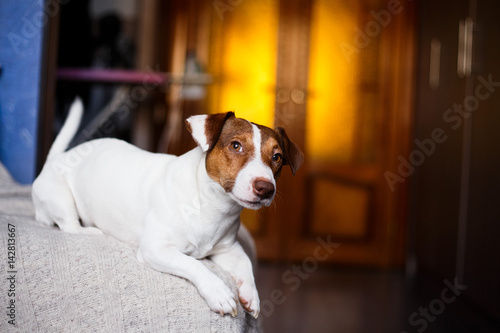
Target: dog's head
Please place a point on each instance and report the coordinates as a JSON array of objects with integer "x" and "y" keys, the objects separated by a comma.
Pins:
[{"x": 243, "y": 157}]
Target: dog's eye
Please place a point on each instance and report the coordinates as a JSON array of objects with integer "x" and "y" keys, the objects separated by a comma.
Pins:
[
  {"x": 236, "y": 146},
  {"x": 277, "y": 158}
]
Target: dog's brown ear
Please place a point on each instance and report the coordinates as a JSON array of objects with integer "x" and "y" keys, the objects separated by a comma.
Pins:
[
  {"x": 206, "y": 129},
  {"x": 293, "y": 156}
]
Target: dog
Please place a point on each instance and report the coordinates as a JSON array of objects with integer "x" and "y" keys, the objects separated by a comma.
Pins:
[{"x": 174, "y": 209}]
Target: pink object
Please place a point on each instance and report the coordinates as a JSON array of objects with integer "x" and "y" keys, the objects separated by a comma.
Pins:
[{"x": 113, "y": 76}]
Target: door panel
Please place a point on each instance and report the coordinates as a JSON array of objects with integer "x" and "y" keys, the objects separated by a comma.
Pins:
[
  {"x": 355, "y": 130},
  {"x": 342, "y": 123},
  {"x": 243, "y": 60},
  {"x": 333, "y": 84},
  {"x": 330, "y": 210}
]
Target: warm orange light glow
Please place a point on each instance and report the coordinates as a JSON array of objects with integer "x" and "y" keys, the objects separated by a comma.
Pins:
[
  {"x": 243, "y": 58},
  {"x": 331, "y": 110},
  {"x": 244, "y": 61}
]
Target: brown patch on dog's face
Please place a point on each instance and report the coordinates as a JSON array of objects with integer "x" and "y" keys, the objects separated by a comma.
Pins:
[
  {"x": 232, "y": 151},
  {"x": 271, "y": 150}
]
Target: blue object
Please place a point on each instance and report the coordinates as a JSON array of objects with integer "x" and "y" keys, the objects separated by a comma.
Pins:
[{"x": 22, "y": 24}]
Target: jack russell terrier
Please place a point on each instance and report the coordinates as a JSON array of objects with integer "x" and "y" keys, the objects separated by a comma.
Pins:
[{"x": 173, "y": 209}]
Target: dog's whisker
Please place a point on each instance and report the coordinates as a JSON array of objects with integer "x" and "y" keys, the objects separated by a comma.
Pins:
[{"x": 277, "y": 197}]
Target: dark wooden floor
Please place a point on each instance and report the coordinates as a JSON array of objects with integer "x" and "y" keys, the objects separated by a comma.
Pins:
[{"x": 354, "y": 301}]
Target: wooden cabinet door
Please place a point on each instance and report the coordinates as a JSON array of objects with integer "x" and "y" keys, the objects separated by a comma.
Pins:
[
  {"x": 456, "y": 198},
  {"x": 482, "y": 254},
  {"x": 438, "y": 180}
]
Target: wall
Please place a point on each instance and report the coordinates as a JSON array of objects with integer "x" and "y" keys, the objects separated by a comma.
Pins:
[{"x": 22, "y": 24}]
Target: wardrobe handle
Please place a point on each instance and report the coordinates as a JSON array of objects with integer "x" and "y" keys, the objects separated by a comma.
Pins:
[
  {"x": 469, "y": 35},
  {"x": 465, "y": 35},
  {"x": 435, "y": 64}
]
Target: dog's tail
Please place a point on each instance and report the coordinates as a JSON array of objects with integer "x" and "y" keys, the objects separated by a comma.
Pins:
[{"x": 68, "y": 130}]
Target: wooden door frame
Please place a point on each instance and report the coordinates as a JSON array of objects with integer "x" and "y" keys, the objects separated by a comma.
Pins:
[{"x": 399, "y": 97}]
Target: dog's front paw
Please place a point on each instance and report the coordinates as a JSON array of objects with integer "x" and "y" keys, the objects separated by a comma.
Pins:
[
  {"x": 249, "y": 297},
  {"x": 219, "y": 297}
]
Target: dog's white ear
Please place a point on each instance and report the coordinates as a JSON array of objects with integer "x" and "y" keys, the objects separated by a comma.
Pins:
[
  {"x": 206, "y": 129},
  {"x": 196, "y": 126}
]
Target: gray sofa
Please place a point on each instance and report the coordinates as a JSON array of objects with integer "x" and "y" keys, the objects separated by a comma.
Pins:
[{"x": 57, "y": 282}]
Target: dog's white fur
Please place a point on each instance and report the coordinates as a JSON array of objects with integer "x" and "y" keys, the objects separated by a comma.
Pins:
[{"x": 166, "y": 206}]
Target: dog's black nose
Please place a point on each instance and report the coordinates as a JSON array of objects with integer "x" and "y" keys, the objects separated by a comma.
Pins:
[{"x": 263, "y": 189}]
